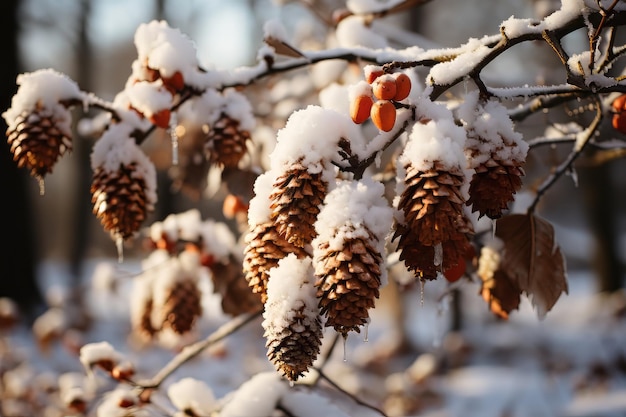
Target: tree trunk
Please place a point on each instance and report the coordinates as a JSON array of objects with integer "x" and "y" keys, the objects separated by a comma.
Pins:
[{"x": 18, "y": 257}]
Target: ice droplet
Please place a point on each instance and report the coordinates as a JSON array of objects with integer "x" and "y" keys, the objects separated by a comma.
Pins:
[
  {"x": 345, "y": 342},
  {"x": 119, "y": 243},
  {"x": 42, "y": 186},
  {"x": 422, "y": 292}
]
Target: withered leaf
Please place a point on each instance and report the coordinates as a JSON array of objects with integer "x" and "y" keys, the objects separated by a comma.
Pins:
[
  {"x": 283, "y": 48},
  {"x": 501, "y": 294},
  {"x": 532, "y": 259}
]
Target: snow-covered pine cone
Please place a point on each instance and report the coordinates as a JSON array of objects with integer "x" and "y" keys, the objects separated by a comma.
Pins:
[
  {"x": 120, "y": 200},
  {"x": 39, "y": 138},
  {"x": 348, "y": 281},
  {"x": 182, "y": 305},
  {"x": 496, "y": 152},
  {"x": 226, "y": 143},
  {"x": 264, "y": 248},
  {"x": 435, "y": 232},
  {"x": 292, "y": 324},
  {"x": 295, "y": 203}
]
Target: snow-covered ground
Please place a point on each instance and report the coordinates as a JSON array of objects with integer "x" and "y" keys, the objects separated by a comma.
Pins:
[{"x": 571, "y": 364}]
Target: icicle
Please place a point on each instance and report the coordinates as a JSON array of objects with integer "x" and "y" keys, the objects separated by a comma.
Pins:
[
  {"x": 493, "y": 229},
  {"x": 42, "y": 186},
  {"x": 119, "y": 243},
  {"x": 422, "y": 292},
  {"x": 366, "y": 330},
  {"x": 291, "y": 384},
  {"x": 174, "y": 138},
  {"x": 574, "y": 175},
  {"x": 345, "y": 342}
]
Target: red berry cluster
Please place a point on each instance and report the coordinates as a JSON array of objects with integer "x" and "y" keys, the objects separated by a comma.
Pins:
[{"x": 386, "y": 89}]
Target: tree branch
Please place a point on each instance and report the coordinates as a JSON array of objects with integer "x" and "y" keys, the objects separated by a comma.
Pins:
[{"x": 193, "y": 350}]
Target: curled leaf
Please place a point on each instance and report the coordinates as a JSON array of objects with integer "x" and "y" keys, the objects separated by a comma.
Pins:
[{"x": 532, "y": 259}]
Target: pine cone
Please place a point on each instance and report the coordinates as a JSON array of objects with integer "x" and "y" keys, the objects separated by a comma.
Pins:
[
  {"x": 493, "y": 186},
  {"x": 182, "y": 306},
  {"x": 190, "y": 175},
  {"x": 348, "y": 282},
  {"x": 230, "y": 282},
  {"x": 144, "y": 323},
  {"x": 40, "y": 138},
  {"x": 291, "y": 322},
  {"x": 294, "y": 348},
  {"x": 495, "y": 151},
  {"x": 226, "y": 143},
  {"x": 265, "y": 247},
  {"x": 295, "y": 204},
  {"x": 120, "y": 200},
  {"x": 435, "y": 232}
]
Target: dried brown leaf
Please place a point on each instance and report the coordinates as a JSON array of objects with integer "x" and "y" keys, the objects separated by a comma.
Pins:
[{"x": 532, "y": 259}]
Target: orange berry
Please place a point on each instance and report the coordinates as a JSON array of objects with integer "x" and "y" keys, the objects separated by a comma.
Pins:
[
  {"x": 360, "y": 108},
  {"x": 384, "y": 115},
  {"x": 161, "y": 118},
  {"x": 371, "y": 76},
  {"x": 403, "y": 86},
  {"x": 619, "y": 103},
  {"x": 233, "y": 205},
  {"x": 175, "y": 83},
  {"x": 384, "y": 87},
  {"x": 619, "y": 122}
]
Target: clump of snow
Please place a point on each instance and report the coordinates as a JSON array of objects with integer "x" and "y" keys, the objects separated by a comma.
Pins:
[
  {"x": 449, "y": 71},
  {"x": 273, "y": 28},
  {"x": 354, "y": 32},
  {"x": 438, "y": 140},
  {"x": 165, "y": 49},
  {"x": 149, "y": 98},
  {"x": 353, "y": 210},
  {"x": 490, "y": 132},
  {"x": 217, "y": 239},
  {"x": 122, "y": 402},
  {"x": 335, "y": 97},
  {"x": 259, "y": 210},
  {"x": 43, "y": 88},
  {"x": 361, "y": 88},
  {"x": 116, "y": 148},
  {"x": 311, "y": 137},
  {"x": 190, "y": 394},
  {"x": 99, "y": 352},
  {"x": 256, "y": 397},
  {"x": 290, "y": 291}
]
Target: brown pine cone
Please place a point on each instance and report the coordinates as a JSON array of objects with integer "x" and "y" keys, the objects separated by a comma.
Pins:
[
  {"x": 295, "y": 204},
  {"x": 120, "y": 200},
  {"x": 493, "y": 187},
  {"x": 434, "y": 221},
  {"x": 39, "y": 139},
  {"x": 348, "y": 282},
  {"x": 226, "y": 143},
  {"x": 182, "y": 306},
  {"x": 265, "y": 247},
  {"x": 229, "y": 281},
  {"x": 292, "y": 324}
]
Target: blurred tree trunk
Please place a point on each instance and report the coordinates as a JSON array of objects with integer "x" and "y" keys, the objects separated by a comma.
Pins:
[
  {"x": 18, "y": 258},
  {"x": 600, "y": 204},
  {"x": 82, "y": 148}
]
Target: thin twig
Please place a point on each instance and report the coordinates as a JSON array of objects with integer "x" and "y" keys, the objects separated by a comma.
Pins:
[
  {"x": 354, "y": 398},
  {"x": 193, "y": 350},
  {"x": 567, "y": 163}
]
